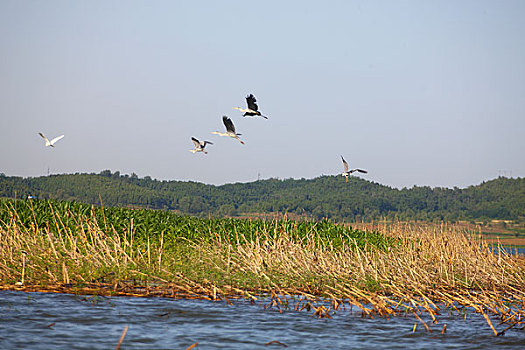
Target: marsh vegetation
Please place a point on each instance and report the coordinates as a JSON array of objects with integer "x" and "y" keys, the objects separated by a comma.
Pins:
[{"x": 390, "y": 270}]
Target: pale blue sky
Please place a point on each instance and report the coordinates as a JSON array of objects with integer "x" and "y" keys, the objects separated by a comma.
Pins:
[{"x": 417, "y": 92}]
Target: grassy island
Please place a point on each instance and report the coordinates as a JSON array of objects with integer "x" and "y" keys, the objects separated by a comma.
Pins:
[{"x": 386, "y": 271}]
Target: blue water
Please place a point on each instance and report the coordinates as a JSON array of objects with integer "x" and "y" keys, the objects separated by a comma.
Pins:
[
  {"x": 509, "y": 250},
  {"x": 64, "y": 321}
]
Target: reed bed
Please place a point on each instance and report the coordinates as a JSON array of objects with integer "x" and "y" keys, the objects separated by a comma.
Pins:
[
  {"x": 391, "y": 270},
  {"x": 431, "y": 268}
]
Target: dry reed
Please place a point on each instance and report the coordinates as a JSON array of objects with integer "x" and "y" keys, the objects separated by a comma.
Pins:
[
  {"x": 122, "y": 336},
  {"x": 428, "y": 269},
  {"x": 432, "y": 268}
]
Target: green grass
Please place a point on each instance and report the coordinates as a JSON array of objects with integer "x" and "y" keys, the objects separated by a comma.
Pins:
[
  {"x": 152, "y": 224},
  {"x": 174, "y": 241},
  {"x": 73, "y": 245}
]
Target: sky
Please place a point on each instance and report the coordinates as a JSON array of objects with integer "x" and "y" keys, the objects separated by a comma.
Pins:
[{"x": 426, "y": 93}]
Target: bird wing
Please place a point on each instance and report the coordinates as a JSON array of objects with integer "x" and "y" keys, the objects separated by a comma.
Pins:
[
  {"x": 250, "y": 100},
  {"x": 228, "y": 124},
  {"x": 196, "y": 142},
  {"x": 362, "y": 171},
  {"x": 45, "y": 138},
  {"x": 345, "y": 164},
  {"x": 56, "y": 139},
  {"x": 204, "y": 143}
]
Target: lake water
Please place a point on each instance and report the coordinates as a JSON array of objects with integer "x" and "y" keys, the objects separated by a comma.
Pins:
[
  {"x": 509, "y": 250},
  {"x": 65, "y": 321}
]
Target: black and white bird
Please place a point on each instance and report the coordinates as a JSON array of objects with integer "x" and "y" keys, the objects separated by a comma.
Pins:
[
  {"x": 252, "y": 110},
  {"x": 348, "y": 171},
  {"x": 230, "y": 129},
  {"x": 199, "y": 145},
  {"x": 52, "y": 142}
]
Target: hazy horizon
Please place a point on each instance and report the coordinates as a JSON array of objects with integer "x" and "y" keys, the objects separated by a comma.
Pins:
[{"x": 417, "y": 93}]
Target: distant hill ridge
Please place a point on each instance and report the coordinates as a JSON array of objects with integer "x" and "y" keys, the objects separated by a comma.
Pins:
[{"x": 321, "y": 197}]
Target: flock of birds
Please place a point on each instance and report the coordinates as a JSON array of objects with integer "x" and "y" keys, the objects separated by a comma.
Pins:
[{"x": 251, "y": 111}]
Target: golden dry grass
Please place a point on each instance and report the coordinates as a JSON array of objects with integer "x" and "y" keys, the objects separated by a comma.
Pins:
[
  {"x": 433, "y": 267},
  {"x": 428, "y": 268}
]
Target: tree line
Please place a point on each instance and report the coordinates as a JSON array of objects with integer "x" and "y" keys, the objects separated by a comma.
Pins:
[{"x": 321, "y": 197}]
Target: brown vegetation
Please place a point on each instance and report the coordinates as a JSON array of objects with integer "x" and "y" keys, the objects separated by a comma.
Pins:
[{"x": 429, "y": 268}]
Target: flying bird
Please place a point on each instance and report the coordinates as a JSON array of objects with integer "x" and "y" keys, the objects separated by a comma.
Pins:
[
  {"x": 199, "y": 145},
  {"x": 230, "y": 129},
  {"x": 252, "y": 110},
  {"x": 347, "y": 172},
  {"x": 52, "y": 142}
]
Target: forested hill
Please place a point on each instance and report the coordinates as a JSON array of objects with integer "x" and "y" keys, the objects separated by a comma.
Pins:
[{"x": 326, "y": 196}]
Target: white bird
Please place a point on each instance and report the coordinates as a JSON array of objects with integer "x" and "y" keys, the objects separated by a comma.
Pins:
[
  {"x": 347, "y": 172},
  {"x": 199, "y": 145},
  {"x": 230, "y": 129},
  {"x": 253, "y": 109},
  {"x": 52, "y": 142}
]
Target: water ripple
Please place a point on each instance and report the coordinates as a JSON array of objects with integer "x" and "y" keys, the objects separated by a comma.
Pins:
[{"x": 64, "y": 321}]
